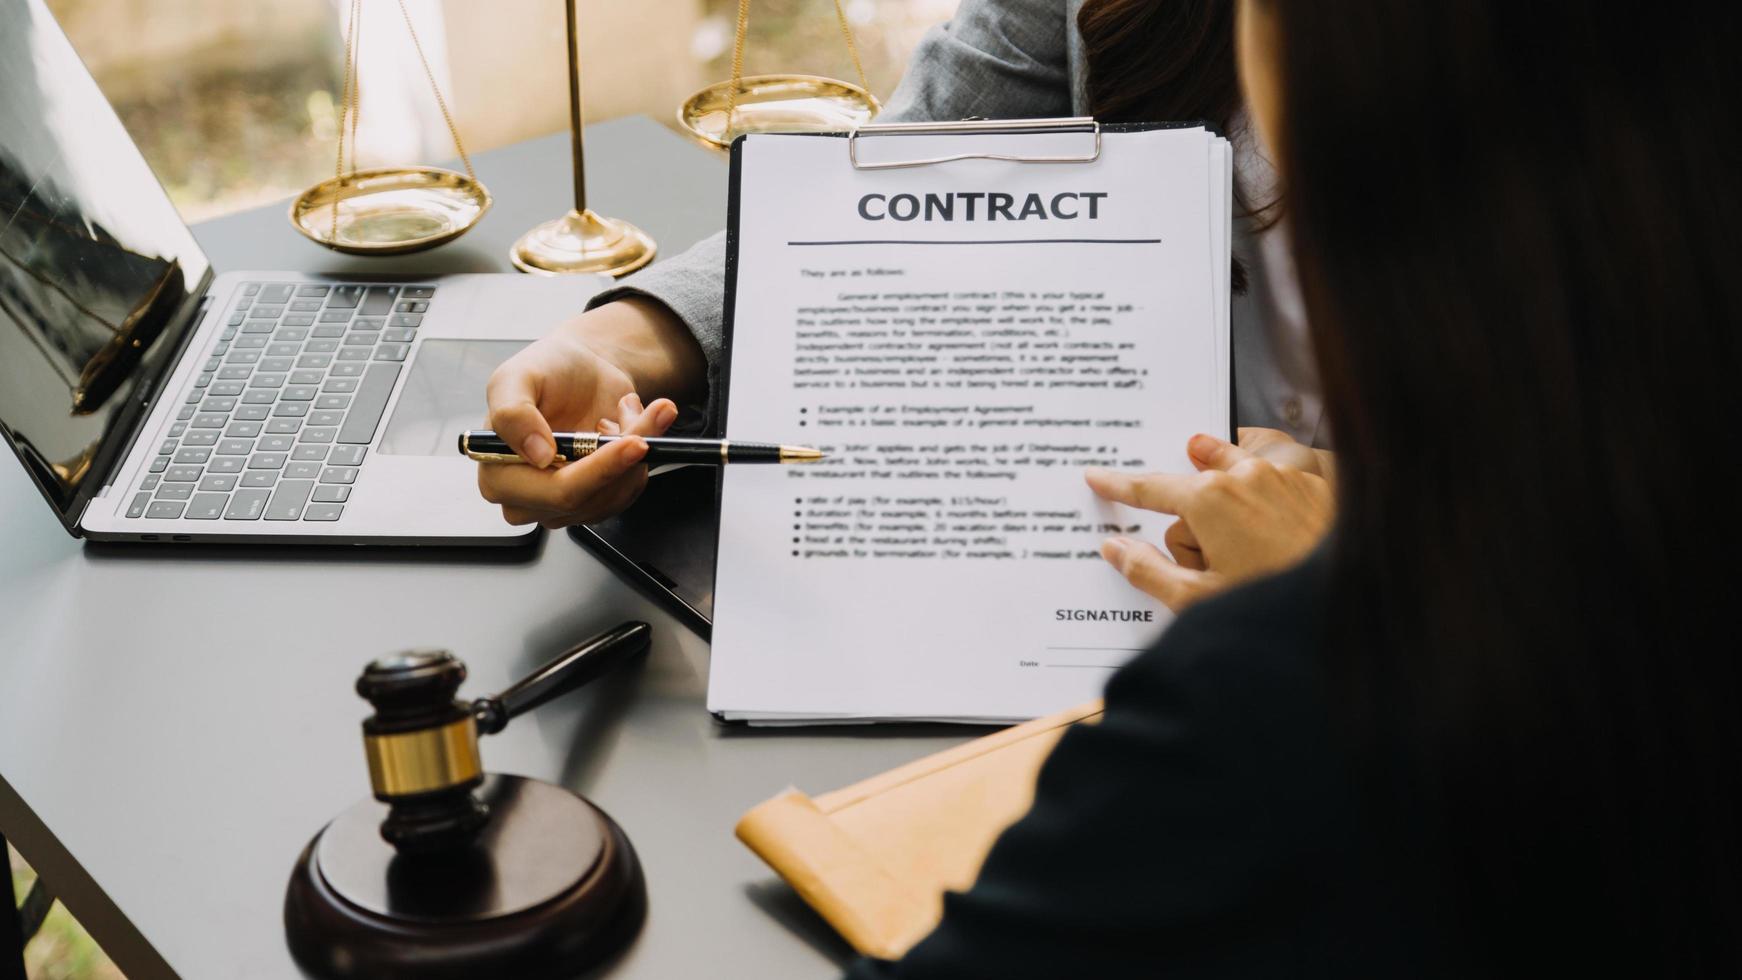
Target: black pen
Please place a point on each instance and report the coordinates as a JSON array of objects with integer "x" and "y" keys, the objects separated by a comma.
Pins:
[{"x": 485, "y": 446}]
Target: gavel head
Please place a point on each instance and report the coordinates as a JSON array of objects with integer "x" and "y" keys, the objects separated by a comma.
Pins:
[{"x": 422, "y": 747}]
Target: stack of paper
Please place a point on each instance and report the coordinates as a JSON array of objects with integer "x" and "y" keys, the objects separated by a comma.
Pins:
[{"x": 964, "y": 339}]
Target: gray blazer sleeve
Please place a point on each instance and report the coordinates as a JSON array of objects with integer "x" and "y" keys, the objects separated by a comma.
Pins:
[{"x": 1000, "y": 59}]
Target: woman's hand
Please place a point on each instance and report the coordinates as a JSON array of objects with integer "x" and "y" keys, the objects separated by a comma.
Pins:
[
  {"x": 584, "y": 490},
  {"x": 584, "y": 377},
  {"x": 1277, "y": 446},
  {"x": 1243, "y": 517},
  {"x": 1272, "y": 444}
]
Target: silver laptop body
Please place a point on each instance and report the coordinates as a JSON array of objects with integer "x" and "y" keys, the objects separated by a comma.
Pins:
[{"x": 151, "y": 400}]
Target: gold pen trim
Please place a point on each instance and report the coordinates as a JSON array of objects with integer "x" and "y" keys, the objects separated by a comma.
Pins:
[
  {"x": 583, "y": 448},
  {"x": 483, "y": 457},
  {"x": 723, "y": 444},
  {"x": 557, "y": 460}
]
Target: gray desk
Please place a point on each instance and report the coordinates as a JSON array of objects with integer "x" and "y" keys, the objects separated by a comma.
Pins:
[{"x": 162, "y": 769}]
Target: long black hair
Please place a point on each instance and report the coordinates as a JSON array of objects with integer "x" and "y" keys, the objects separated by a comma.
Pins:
[
  {"x": 1170, "y": 61},
  {"x": 1518, "y": 236}
]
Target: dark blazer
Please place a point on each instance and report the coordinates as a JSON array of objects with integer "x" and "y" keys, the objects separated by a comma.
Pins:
[{"x": 1209, "y": 826}]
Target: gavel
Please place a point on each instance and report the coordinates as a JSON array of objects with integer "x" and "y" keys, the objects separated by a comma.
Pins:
[
  {"x": 422, "y": 743},
  {"x": 464, "y": 873}
]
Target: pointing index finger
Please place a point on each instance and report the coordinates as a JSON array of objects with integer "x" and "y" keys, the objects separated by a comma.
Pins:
[
  {"x": 1211, "y": 453},
  {"x": 1165, "y": 493}
]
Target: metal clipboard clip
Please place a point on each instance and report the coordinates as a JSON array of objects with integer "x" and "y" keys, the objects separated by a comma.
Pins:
[{"x": 1072, "y": 124}]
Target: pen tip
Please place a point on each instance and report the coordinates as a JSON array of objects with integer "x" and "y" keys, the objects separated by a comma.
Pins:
[{"x": 800, "y": 454}]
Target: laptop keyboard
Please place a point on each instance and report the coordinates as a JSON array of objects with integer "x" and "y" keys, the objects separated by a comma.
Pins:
[{"x": 279, "y": 420}]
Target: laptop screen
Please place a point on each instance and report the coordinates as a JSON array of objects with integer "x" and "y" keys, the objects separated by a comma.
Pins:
[{"x": 96, "y": 267}]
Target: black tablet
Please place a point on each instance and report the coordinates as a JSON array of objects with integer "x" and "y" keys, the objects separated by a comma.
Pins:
[{"x": 664, "y": 544}]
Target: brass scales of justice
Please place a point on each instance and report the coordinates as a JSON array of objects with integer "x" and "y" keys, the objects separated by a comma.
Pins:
[
  {"x": 395, "y": 210},
  {"x": 784, "y": 103},
  {"x": 387, "y": 210}
]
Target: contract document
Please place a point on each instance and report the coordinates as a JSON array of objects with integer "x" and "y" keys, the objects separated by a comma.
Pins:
[{"x": 964, "y": 339}]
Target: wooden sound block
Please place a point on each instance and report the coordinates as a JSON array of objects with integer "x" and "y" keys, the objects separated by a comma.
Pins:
[{"x": 550, "y": 887}]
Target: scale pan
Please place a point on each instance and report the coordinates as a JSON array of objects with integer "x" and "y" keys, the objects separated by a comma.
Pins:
[
  {"x": 390, "y": 210},
  {"x": 776, "y": 104}
]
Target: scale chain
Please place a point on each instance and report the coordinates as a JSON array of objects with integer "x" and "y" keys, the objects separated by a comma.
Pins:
[
  {"x": 852, "y": 49},
  {"x": 441, "y": 103},
  {"x": 739, "y": 33},
  {"x": 351, "y": 99},
  {"x": 350, "y": 106},
  {"x": 743, "y": 29}
]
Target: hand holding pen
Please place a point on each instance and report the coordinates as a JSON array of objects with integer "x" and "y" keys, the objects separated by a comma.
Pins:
[
  {"x": 588, "y": 490},
  {"x": 488, "y": 447},
  {"x": 583, "y": 376}
]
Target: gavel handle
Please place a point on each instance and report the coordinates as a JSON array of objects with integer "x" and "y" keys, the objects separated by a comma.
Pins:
[{"x": 580, "y": 665}]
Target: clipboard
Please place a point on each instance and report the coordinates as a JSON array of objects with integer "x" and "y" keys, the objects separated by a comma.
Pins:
[
  {"x": 666, "y": 544},
  {"x": 1090, "y": 127}
]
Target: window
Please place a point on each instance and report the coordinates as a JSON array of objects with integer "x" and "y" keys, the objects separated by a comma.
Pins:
[{"x": 236, "y": 104}]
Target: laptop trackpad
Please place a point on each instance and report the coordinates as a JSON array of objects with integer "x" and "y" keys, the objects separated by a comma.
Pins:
[{"x": 444, "y": 396}]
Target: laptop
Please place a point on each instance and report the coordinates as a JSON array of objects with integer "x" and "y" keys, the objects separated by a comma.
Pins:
[{"x": 151, "y": 399}]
